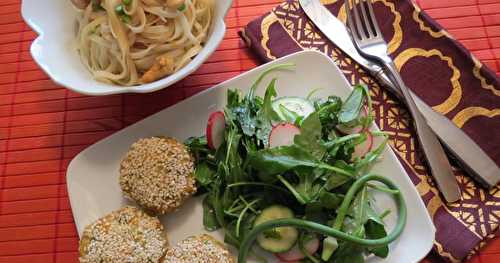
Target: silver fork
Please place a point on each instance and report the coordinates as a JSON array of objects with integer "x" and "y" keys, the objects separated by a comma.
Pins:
[{"x": 370, "y": 43}]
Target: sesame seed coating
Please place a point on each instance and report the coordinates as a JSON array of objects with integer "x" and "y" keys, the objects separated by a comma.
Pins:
[
  {"x": 158, "y": 173},
  {"x": 126, "y": 235},
  {"x": 198, "y": 249}
]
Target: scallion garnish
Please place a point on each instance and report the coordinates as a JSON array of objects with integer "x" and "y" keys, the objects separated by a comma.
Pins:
[
  {"x": 120, "y": 9},
  {"x": 126, "y": 18},
  {"x": 182, "y": 7}
]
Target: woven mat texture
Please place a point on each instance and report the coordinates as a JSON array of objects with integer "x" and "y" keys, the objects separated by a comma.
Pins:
[{"x": 43, "y": 126}]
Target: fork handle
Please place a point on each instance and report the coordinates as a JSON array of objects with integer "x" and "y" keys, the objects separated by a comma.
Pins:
[{"x": 434, "y": 152}]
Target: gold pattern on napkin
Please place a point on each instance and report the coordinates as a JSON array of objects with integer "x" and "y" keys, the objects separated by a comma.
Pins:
[{"x": 456, "y": 93}]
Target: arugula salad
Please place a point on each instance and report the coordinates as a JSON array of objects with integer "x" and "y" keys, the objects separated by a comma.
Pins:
[{"x": 292, "y": 175}]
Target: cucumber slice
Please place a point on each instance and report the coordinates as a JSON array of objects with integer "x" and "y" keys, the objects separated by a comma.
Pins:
[
  {"x": 278, "y": 239},
  {"x": 329, "y": 246},
  {"x": 286, "y": 107}
]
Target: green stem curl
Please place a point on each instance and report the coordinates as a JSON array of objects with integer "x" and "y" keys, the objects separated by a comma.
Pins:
[{"x": 335, "y": 231}]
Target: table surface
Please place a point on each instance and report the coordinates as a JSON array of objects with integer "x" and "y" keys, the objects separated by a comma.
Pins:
[{"x": 43, "y": 126}]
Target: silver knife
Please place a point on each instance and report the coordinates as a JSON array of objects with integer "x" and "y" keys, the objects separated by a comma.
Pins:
[{"x": 467, "y": 153}]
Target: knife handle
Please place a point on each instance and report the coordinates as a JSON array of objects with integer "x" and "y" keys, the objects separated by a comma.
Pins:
[
  {"x": 434, "y": 152},
  {"x": 463, "y": 149}
]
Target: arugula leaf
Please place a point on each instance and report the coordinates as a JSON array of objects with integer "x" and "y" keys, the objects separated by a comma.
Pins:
[
  {"x": 267, "y": 110},
  {"x": 366, "y": 122},
  {"x": 333, "y": 181},
  {"x": 292, "y": 190},
  {"x": 233, "y": 98},
  {"x": 348, "y": 252},
  {"x": 314, "y": 212},
  {"x": 366, "y": 222},
  {"x": 307, "y": 188},
  {"x": 203, "y": 174},
  {"x": 328, "y": 112},
  {"x": 263, "y": 132},
  {"x": 372, "y": 215},
  {"x": 246, "y": 224},
  {"x": 330, "y": 200},
  {"x": 198, "y": 146},
  {"x": 248, "y": 206},
  {"x": 209, "y": 218},
  {"x": 266, "y": 114},
  {"x": 335, "y": 140},
  {"x": 344, "y": 166},
  {"x": 354, "y": 225},
  {"x": 370, "y": 157},
  {"x": 233, "y": 162},
  {"x": 375, "y": 230},
  {"x": 252, "y": 114},
  {"x": 352, "y": 106},
  {"x": 218, "y": 208},
  {"x": 230, "y": 234},
  {"x": 243, "y": 115},
  {"x": 310, "y": 136},
  {"x": 341, "y": 148},
  {"x": 249, "y": 144},
  {"x": 273, "y": 161},
  {"x": 227, "y": 199},
  {"x": 359, "y": 207},
  {"x": 289, "y": 115}
]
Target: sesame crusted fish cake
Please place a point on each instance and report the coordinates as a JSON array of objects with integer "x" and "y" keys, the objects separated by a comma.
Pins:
[
  {"x": 126, "y": 235},
  {"x": 198, "y": 249},
  {"x": 158, "y": 174}
]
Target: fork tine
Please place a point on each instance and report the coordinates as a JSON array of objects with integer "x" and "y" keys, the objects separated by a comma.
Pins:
[
  {"x": 357, "y": 19},
  {"x": 373, "y": 19},
  {"x": 368, "y": 20},
  {"x": 350, "y": 22}
]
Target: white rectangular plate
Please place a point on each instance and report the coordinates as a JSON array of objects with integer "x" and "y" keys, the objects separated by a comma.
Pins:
[{"x": 93, "y": 175}]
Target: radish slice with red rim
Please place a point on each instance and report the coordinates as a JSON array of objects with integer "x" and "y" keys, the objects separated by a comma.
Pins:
[
  {"x": 215, "y": 129},
  {"x": 365, "y": 147},
  {"x": 283, "y": 134},
  {"x": 295, "y": 254}
]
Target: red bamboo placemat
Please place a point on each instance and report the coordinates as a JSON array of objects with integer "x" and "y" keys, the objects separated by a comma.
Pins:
[{"x": 42, "y": 126}]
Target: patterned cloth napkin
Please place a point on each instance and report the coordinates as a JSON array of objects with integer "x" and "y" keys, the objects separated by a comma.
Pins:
[{"x": 437, "y": 68}]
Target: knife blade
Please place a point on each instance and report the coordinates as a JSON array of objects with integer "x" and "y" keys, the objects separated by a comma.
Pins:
[{"x": 466, "y": 152}]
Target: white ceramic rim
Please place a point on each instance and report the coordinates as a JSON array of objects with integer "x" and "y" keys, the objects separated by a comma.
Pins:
[{"x": 426, "y": 220}]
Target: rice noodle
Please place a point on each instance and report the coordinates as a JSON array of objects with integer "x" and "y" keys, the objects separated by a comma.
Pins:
[{"x": 121, "y": 47}]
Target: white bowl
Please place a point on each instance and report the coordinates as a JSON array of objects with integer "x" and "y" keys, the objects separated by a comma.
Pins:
[{"x": 55, "y": 51}]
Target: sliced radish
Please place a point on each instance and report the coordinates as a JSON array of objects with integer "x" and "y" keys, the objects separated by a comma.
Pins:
[
  {"x": 295, "y": 254},
  {"x": 215, "y": 129},
  {"x": 283, "y": 134},
  {"x": 363, "y": 148},
  {"x": 357, "y": 129}
]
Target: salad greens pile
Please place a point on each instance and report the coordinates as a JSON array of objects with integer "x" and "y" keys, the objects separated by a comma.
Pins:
[{"x": 317, "y": 178}]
